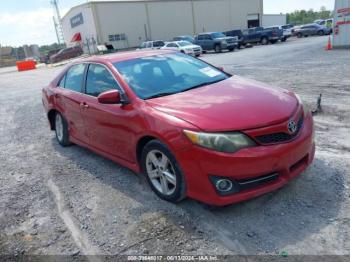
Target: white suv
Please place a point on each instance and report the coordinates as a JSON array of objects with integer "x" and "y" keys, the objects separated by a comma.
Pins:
[{"x": 184, "y": 47}]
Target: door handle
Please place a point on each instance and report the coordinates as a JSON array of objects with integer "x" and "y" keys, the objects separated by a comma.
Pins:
[{"x": 84, "y": 105}]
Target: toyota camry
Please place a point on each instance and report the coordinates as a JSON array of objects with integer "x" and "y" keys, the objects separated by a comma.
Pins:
[{"x": 192, "y": 129}]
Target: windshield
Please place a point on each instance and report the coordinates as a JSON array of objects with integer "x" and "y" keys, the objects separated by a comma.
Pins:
[
  {"x": 184, "y": 43},
  {"x": 167, "y": 74},
  {"x": 217, "y": 35}
]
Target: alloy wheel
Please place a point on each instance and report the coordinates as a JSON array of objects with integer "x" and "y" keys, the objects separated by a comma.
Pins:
[
  {"x": 161, "y": 172},
  {"x": 59, "y": 127}
]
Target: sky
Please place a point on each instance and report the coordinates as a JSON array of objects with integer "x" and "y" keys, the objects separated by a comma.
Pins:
[{"x": 30, "y": 21}]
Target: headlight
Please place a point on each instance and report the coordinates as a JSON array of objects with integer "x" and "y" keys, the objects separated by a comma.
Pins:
[
  {"x": 222, "y": 142},
  {"x": 305, "y": 107},
  {"x": 224, "y": 42}
]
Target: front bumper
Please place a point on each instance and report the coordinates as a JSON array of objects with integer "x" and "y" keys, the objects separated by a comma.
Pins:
[
  {"x": 229, "y": 45},
  {"x": 288, "y": 160}
]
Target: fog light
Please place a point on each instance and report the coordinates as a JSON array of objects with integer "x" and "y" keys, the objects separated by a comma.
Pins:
[{"x": 224, "y": 185}]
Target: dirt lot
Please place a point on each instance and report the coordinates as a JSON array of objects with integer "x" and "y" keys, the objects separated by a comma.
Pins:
[{"x": 57, "y": 200}]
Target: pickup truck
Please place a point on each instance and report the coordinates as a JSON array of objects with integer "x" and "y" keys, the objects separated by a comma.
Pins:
[
  {"x": 216, "y": 41},
  {"x": 238, "y": 34},
  {"x": 261, "y": 35},
  {"x": 278, "y": 30}
]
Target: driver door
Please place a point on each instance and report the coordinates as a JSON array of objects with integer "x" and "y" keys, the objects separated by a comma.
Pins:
[{"x": 108, "y": 126}]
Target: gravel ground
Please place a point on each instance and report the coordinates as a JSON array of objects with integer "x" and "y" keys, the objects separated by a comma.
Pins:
[{"x": 71, "y": 201}]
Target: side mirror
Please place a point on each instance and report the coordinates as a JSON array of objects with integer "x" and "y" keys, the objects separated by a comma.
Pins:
[
  {"x": 220, "y": 68},
  {"x": 109, "y": 97}
]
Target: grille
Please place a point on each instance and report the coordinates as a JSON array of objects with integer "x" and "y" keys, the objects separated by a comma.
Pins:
[
  {"x": 280, "y": 137},
  {"x": 196, "y": 50}
]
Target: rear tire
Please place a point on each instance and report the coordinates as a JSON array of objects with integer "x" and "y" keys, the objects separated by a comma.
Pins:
[
  {"x": 231, "y": 49},
  {"x": 163, "y": 173},
  {"x": 320, "y": 33},
  {"x": 284, "y": 39},
  {"x": 61, "y": 130}
]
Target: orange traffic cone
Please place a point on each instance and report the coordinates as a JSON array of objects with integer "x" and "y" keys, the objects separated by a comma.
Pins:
[{"x": 329, "y": 45}]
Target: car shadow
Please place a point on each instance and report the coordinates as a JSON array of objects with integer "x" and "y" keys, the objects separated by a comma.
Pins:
[{"x": 269, "y": 223}]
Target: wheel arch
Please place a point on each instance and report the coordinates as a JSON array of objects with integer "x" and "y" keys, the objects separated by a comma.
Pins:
[
  {"x": 141, "y": 143},
  {"x": 51, "y": 117}
]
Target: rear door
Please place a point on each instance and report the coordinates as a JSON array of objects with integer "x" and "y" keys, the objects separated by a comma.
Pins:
[
  {"x": 108, "y": 126},
  {"x": 208, "y": 42},
  {"x": 69, "y": 100}
]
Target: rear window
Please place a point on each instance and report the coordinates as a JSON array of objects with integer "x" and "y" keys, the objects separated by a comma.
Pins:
[
  {"x": 158, "y": 44},
  {"x": 74, "y": 78},
  {"x": 217, "y": 35}
]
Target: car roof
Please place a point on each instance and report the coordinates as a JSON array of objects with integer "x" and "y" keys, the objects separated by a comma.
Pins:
[{"x": 123, "y": 56}]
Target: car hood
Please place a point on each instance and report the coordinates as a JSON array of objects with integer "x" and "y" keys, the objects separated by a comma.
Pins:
[
  {"x": 191, "y": 46},
  {"x": 233, "y": 104},
  {"x": 226, "y": 38}
]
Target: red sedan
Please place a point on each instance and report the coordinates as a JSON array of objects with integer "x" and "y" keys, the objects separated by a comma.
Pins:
[{"x": 191, "y": 128}]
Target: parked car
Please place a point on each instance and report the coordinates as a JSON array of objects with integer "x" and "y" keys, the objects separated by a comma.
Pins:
[
  {"x": 289, "y": 26},
  {"x": 260, "y": 35},
  {"x": 152, "y": 44},
  {"x": 187, "y": 38},
  {"x": 237, "y": 33},
  {"x": 216, "y": 41},
  {"x": 192, "y": 129},
  {"x": 66, "y": 53},
  {"x": 326, "y": 22},
  {"x": 311, "y": 29},
  {"x": 46, "y": 58},
  {"x": 283, "y": 34},
  {"x": 184, "y": 47},
  {"x": 277, "y": 31}
]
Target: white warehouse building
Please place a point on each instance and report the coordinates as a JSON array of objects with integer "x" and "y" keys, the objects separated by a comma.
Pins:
[{"x": 127, "y": 23}]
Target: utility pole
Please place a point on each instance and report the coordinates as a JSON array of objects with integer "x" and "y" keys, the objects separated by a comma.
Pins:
[{"x": 57, "y": 22}]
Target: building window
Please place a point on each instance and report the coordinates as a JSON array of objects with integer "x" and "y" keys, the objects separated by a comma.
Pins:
[{"x": 117, "y": 37}]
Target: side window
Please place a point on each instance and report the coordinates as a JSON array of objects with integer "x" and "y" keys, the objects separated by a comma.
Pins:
[
  {"x": 74, "y": 78},
  {"x": 62, "y": 81},
  {"x": 172, "y": 45},
  {"x": 149, "y": 45},
  {"x": 99, "y": 80}
]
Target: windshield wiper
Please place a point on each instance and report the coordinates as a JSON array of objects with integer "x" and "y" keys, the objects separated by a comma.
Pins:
[
  {"x": 160, "y": 95},
  {"x": 203, "y": 84}
]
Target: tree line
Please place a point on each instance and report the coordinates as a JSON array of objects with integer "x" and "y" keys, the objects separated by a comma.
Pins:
[{"x": 304, "y": 17}]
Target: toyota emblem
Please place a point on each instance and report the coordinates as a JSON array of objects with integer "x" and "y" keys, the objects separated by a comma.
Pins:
[{"x": 292, "y": 127}]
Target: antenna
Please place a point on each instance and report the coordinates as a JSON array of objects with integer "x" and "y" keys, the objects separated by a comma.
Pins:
[{"x": 57, "y": 22}]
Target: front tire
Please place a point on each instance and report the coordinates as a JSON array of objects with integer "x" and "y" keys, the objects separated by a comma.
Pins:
[
  {"x": 218, "y": 49},
  {"x": 264, "y": 41},
  {"x": 61, "y": 130},
  {"x": 163, "y": 172}
]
